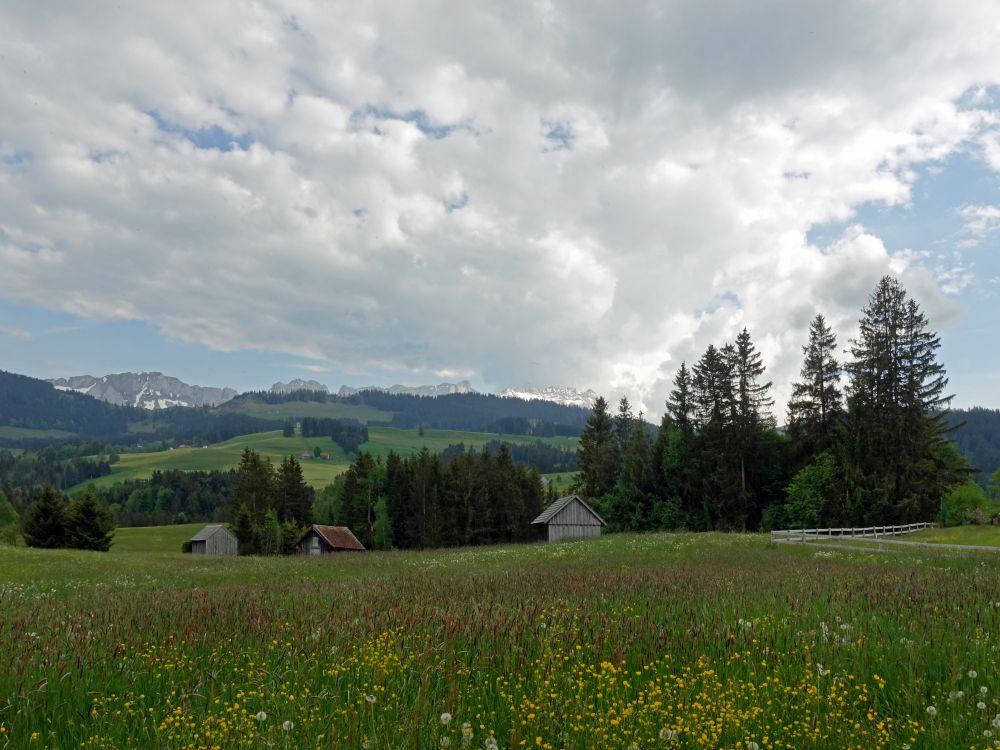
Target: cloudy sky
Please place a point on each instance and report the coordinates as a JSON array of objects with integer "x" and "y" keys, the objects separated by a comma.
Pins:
[{"x": 516, "y": 193}]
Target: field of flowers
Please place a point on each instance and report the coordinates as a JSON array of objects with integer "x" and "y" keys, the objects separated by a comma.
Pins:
[{"x": 658, "y": 641}]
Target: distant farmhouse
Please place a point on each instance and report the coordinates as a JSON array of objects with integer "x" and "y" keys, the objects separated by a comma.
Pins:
[
  {"x": 320, "y": 540},
  {"x": 214, "y": 539},
  {"x": 568, "y": 517}
]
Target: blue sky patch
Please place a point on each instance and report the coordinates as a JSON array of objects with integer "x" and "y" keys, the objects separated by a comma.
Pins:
[{"x": 212, "y": 137}]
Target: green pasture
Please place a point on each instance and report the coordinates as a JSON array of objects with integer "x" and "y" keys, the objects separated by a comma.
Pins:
[
  {"x": 274, "y": 445},
  {"x": 626, "y": 641}
]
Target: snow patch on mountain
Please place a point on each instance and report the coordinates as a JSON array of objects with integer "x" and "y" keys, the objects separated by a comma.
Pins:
[{"x": 557, "y": 394}]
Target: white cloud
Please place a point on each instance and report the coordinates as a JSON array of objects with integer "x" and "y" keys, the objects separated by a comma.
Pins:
[
  {"x": 567, "y": 193},
  {"x": 980, "y": 221}
]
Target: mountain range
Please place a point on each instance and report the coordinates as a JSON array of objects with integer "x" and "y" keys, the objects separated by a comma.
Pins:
[
  {"x": 154, "y": 390},
  {"x": 442, "y": 389},
  {"x": 147, "y": 390}
]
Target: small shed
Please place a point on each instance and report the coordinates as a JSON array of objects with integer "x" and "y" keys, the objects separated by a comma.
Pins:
[
  {"x": 320, "y": 540},
  {"x": 568, "y": 517},
  {"x": 214, "y": 539}
]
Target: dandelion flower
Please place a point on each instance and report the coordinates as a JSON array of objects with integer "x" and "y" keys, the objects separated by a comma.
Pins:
[
  {"x": 261, "y": 716},
  {"x": 932, "y": 711},
  {"x": 287, "y": 725},
  {"x": 973, "y": 674},
  {"x": 445, "y": 718}
]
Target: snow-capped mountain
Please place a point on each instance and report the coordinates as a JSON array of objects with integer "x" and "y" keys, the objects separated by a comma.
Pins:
[
  {"x": 558, "y": 394},
  {"x": 299, "y": 385},
  {"x": 442, "y": 389},
  {"x": 149, "y": 390}
]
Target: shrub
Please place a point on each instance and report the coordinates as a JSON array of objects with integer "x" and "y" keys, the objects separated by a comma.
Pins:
[
  {"x": 44, "y": 522},
  {"x": 965, "y": 504}
]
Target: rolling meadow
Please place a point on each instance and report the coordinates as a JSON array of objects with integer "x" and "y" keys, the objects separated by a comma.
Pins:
[{"x": 627, "y": 641}]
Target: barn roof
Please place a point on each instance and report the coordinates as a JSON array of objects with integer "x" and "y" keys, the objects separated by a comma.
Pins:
[
  {"x": 206, "y": 532},
  {"x": 339, "y": 537},
  {"x": 557, "y": 505}
]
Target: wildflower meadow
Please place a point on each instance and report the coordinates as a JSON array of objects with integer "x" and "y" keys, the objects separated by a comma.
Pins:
[{"x": 632, "y": 642}]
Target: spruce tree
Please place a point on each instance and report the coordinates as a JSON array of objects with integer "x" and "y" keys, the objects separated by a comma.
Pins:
[
  {"x": 596, "y": 452},
  {"x": 292, "y": 496},
  {"x": 89, "y": 525},
  {"x": 253, "y": 490},
  {"x": 44, "y": 522},
  {"x": 680, "y": 406},
  {"x": 816, "y": 403},
  {"x": 895, "y": 465}
]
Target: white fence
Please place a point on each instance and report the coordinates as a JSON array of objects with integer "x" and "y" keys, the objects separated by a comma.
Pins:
[
  {"x": 802, "y": 536},
  {"x": 868, "y": 538}
]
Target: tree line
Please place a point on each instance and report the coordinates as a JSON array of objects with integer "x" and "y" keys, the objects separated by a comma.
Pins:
[
  {"x": 424, "y": 501},
  {"x": 53, "y": 521},
  {"x": 268, "y": 506},
  {"x": 873, "y": 450}
]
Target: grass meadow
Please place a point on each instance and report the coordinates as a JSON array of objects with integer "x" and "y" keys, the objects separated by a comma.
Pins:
[
  {"x": 653, "y": 641},
  {"x": 317, "y": 472}
]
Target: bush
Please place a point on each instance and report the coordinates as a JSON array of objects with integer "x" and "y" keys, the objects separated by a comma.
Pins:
[
  {"x": 89, "y": 525},
  {"x": 8, "y": 534},
  {"x": 965, "y": 504}
]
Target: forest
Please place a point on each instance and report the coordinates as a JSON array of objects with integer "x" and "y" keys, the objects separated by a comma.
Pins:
[{"x": 872, "y": 450}]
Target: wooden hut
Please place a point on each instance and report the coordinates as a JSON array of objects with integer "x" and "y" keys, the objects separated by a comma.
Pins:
[
  {"x": 214, "y": 539},
  {"x": 568, "y": 517},
  {"x": 320, "y": 540}
]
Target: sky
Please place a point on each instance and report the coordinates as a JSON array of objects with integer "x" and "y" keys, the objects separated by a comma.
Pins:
[{"x": 518, "y": 194}]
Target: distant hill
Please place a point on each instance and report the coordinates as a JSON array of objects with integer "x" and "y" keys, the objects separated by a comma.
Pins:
[
  {"x": 29, "y": 404},
  {"x": 146, "y": 390},
  {"x": 978, "y": 439}
]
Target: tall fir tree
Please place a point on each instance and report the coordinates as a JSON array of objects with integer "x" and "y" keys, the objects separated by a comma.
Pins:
[
  {"x": 816, "y": 404},
  {"x": 896, "y": 465},
  {"x": 596, "y": 452},
  {"x": 253, "y": 490},
  {"x": 292, "y": 496}
]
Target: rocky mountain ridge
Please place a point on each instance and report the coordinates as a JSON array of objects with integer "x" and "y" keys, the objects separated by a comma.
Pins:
[{"x": 147, "y": 390}]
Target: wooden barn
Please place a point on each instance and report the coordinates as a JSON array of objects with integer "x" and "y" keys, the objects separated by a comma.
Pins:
[
  {"x": 568, "y": 517},
  {"x": 215, "y": 539},
  {"x": 320, "y": 540}
]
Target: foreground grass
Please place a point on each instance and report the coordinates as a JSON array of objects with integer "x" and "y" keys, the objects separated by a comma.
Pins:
[
  {"x": 665, "y": 641},
  {"x": 317, "y": 472}
]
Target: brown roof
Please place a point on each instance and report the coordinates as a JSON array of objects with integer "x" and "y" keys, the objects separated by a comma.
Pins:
[{"x": 338, "y": 537}]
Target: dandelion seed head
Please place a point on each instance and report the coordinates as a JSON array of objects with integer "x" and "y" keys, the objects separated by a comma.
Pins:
[
  {"x": 973, "y": 674},
  {"x": 445, "y": 718},
  {"x": 932, "y": 710},
  {"x": 445, "y": 741},
  {"x": 261, "y": 716},
  {"x": 287, "y": 725},
  {"x": 981, "y": 706}
]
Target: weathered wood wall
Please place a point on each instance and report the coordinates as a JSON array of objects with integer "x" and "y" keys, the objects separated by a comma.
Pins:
[
  {"x": 219, "y": 543},
  {"x": 562, "y": 531}
]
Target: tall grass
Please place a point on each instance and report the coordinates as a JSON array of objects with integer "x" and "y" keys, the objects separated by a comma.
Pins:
[{"x": 666, "y": 641}]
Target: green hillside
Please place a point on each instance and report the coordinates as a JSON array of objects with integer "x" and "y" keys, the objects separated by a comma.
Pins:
[
  {"x": 297, "y": 409},
  {"x": 317, "y": 472}
]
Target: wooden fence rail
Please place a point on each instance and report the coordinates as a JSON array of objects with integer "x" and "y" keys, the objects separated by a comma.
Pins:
[{"x": 868, "y": 538}]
